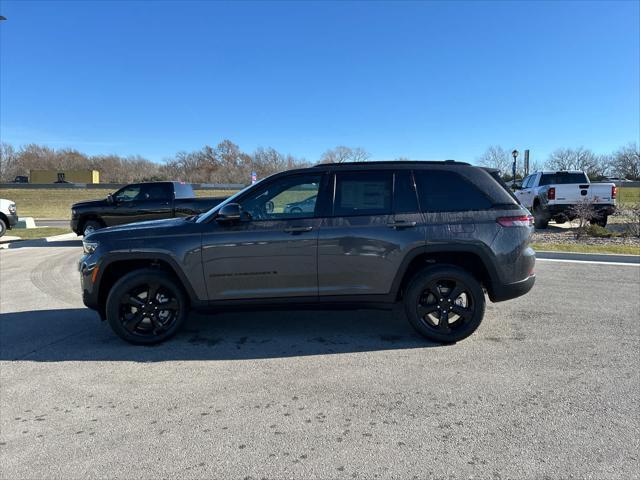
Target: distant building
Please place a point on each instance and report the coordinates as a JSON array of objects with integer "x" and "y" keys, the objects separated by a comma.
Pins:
[{"x": 64, "y": 176}]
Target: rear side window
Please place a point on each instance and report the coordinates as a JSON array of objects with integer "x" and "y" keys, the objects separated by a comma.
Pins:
[
  {"x": 183, "y": 190},
  {"x": 155, "y": 191},
  {"x": 563, "y": 178},
  {"x": 363, "y": 193},
  {"x": 445, "y": 191},
  {"x": 404, "y": 193}
]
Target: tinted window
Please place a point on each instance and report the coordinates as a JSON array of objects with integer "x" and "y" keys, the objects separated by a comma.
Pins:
[
  {"x": 127, "y": 193},
  {"x": 155, "y": 191},
  {"x": 560, "y": 178},
  {"x": 405, "y": 199},
  {"x": 443, "y": 191},
  {"x": 183, "y": 190},
  {"x": 288, "y": 197},
  {"x": 363, "y": 193}
]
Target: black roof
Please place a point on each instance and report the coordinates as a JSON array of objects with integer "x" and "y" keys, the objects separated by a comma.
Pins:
[{"x": 392, "y": 163}]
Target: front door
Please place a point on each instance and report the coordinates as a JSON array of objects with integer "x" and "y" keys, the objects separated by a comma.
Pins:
[{"x": 272, "y": 253}]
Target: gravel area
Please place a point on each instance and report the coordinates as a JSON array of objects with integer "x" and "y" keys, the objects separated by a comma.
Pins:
[{"x": 566, "y": 234}]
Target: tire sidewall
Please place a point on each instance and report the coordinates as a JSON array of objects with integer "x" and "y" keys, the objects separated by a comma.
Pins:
[
  {"x": 132, "y": 280},
  {"x": 416, "y": 287},
  {"x": 3, "y": 228}
]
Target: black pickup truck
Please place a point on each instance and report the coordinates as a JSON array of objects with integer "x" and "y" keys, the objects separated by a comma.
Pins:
[{"x": 139, "y": 202}]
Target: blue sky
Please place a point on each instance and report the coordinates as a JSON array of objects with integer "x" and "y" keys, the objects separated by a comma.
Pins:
[{"x": 422, "y": 80}]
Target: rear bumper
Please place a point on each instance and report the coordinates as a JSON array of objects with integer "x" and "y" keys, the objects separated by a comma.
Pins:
[
  {"x": 567, "y": 209},
  {"x": 508, "y": 291}
]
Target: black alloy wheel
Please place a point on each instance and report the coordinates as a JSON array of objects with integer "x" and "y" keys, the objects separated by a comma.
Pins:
[
  {"x": 445, "y": 304},
  {"x": 146, "y": 307}
]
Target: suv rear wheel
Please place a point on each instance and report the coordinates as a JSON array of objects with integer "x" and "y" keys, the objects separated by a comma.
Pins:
[
  {"x": 146, "y": 307},
  {"x": 444, "y": 303}
]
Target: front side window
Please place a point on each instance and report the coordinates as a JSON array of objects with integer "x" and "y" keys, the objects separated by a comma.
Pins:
[
  {"x": 445, "y": 191},
  {"x": 363, "y": 193},
  {"x": 289, "y": 197},
  {"x": 128, "y": 193}
]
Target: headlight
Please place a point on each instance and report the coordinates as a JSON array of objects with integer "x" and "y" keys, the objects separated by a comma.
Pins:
[
  {"x": 73, "y": 212},
  {"x": 12, "y": 208},
  {"x": 89, "y": 247}
]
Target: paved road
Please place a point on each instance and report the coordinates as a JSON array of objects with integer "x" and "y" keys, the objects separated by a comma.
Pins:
[
  {"x": 589, "y": 257},
  {"x": 52, "y": 223},
  {"x": 547, "y": 387}
]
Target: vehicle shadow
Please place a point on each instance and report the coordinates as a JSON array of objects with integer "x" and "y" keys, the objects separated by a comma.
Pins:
[
  {"x": 42, "y": 242},
  {"x": 77, "y": 334}
]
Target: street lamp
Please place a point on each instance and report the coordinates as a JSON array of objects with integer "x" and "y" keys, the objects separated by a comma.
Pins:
[{"x": 515, "y": 156}]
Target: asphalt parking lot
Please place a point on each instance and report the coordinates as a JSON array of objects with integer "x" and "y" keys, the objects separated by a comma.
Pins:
[{"x": 548, "y": 387}]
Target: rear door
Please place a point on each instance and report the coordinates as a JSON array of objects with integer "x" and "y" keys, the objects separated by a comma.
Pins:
[{"x": 374, "y": 221}]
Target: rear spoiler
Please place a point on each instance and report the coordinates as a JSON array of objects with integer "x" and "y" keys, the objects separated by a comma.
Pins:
[{"x": 495, "y": 173}]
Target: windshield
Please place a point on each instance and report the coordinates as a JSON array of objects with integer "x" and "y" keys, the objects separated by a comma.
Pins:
[{"x": 210, "y": 213}]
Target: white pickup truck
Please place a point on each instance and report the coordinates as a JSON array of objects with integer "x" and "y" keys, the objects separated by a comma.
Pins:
[
  {"x": 8, "y": 215},
  {"x": 553, "y": 195}
]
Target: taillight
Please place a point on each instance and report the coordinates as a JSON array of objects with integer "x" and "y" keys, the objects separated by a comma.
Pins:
[
  {"x": 551, "y": 193},
  {"x": 520, "y": 221},
  {"x": 614, "y": 192}
]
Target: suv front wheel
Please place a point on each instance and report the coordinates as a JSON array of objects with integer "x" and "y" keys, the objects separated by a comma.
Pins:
[
  {"x": 146, "y": 306},
  {"x": 444, "y": 303}
]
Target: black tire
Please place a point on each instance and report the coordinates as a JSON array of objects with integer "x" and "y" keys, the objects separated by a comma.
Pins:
[
  {"x": 425, "y": 309},
  {"x": 295, "y": 210},
  {"x": 139, "y": 320},
  {"x": 3, "y": 227},
  {"x": 601, "y": 221},
  {"x": 91, "y": 226},
  {"x": 540, "y": 218}
]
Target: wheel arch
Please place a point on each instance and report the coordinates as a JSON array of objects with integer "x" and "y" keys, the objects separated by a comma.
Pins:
[
  {"x": 88, "y": 217},
  {"x": 472, "y": 258},
  {"x": 117, "y": 266}
]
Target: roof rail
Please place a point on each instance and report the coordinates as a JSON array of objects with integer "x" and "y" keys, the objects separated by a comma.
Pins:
[{"x": 393, "y": 162}]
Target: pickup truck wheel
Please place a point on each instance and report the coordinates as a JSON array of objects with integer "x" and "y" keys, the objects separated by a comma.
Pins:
[
  {"x": 3, "y": 227},
  {"x": 540, "y": 218},
  {"x": 444, "y": 303},
  {"x": 146, "y": 307},
  {"x": 601, "y": 221},
  {"x": 90, "y": 226}
]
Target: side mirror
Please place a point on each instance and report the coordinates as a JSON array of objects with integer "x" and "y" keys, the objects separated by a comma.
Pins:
[
  {"x": 110, "y": 199},
  {"x": 231, "y": 212}
]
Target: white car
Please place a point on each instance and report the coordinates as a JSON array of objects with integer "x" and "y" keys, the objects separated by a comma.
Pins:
[
  {"x": 554, "y": 195},
  {"x": 8, "y": 215}
]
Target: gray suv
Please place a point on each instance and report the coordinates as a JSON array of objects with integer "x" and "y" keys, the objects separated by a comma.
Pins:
[{"x": 433, "y": 235}]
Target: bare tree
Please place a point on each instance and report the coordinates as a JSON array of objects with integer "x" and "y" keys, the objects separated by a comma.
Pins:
[
  {"x": 9, "y": 167},
  {"x": 584, "y": 213},
  {"x": 342, "y": 154},
  {"x": 578, "y": 159},
  {"x": 626, "y": 162},
  {"x": 496, "y": 157}
]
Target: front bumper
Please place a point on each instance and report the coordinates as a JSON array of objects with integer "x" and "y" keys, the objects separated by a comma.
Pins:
[
  {"x": 74, "y": 226},
  {"x": 89, "y": 282},
  {"x": 13, "y": 219}
]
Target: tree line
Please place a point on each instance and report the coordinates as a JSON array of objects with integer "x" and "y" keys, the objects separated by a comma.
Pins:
[
  {"x": 227, "y": 163},
  {"x": 224, "y": 163},
  {"x": 624, "y": 163}
]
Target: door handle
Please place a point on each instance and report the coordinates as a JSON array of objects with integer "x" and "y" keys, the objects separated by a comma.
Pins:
[
  {"x": 298, "y": 229},
  {"x": 398, "y": 224}
]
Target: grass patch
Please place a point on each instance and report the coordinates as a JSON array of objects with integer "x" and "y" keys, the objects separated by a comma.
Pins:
[
  {"x": 33, "y": 233},
  {"x": 628, "y": 195},
  {"x": 582, "y": 248},
  {"x": 55, "y": 203}
]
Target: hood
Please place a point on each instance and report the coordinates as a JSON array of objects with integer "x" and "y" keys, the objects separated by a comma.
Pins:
[
  {"x": 150, "y": 227},
  {"x": 90, "y": 204}
]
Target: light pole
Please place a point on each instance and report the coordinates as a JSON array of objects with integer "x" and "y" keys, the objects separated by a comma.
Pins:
[{"x": 513, "y": 170}]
